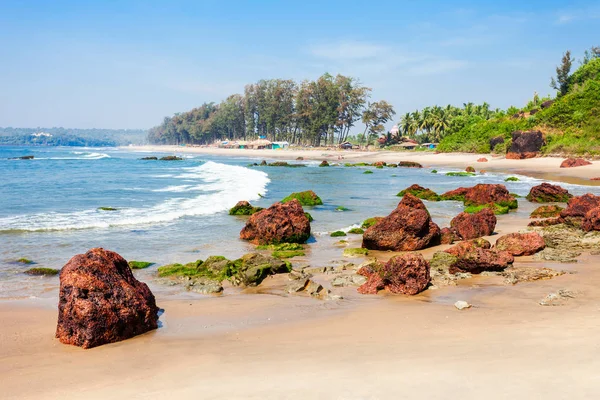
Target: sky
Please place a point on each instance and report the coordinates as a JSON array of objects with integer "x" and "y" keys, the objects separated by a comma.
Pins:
[{"x": 128, "y": 64}]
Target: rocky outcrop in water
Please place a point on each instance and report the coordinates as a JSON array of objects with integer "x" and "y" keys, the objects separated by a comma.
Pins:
[
  {"x": 521, "y": 244},
  {"x": 471, "y": 226},
  {"x": 101, "y": 302},
  {"x": 403, "y": 274},
  {"x": 547, "y": 193},
  {"x": 525, "y": 145},
  {"x": 409, "y": 227},
  {"x": 280, "y": 223}
]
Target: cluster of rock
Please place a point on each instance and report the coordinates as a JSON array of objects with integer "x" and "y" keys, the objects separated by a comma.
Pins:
[{"x": 525, "y": 145}]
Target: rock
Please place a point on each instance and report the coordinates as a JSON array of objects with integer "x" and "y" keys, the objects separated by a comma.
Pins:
[
  {"x": 546, "y": 211},
  {"x": 313, "y": 288},
  {"x": 297, "y": 285},
  {"x": 470, "y": 169},
  {"x": 521, "y": 244},
  {"x": 149, "y": 158},
  {"x": 559, "y": 255},
  {"x": 203, "y": 286},
  {"x": 263, "y": 163},
  {"x": 482, "y": 159},
  {"x": 439, "y": 269},
  {"x": 456, "y": 194},
  {"x": 558, "y": 298},
  {"x": 280, "y": 223},
  {"x": 525, "y": 145},
  {"x": 486, "y": 193},
  {"x": 546, "y": 222},
  {"x": 461, "y": 305},
  {"x": 171, "y": 158},
  {"x": 253, "y": 268},
  {"x": 38, "y": 271},
  {"x": 409, "y": 227},
  {"x": 324, "y": 163},
  {"x": 447, "y": 236},
  {"x": 547, "y": 193},
  {"x": 348, "y": 280},
  {"x": 574, "y": 162},
  {"x": 420, "y": 192},
  {"x": 475, "y": 256},
  {"x": 471, "y": 226},
  {"x": 244, "y": 208},
  {"x": 306, "y": 198},
  {"x": 495, "y": 141},
  {"x": 514, "y": 275},
  {"x": 409, "y": 164},
  {"x": 578, "y": 207},
  {"x": 22, "y": 158},
  {"x": 407, "y": 274},
  {"x": 546, "y": 104},
  {"x": 591, "y": 221},
  {"x": 101, "y": 302},
  {"x": 379, "y": 164}
]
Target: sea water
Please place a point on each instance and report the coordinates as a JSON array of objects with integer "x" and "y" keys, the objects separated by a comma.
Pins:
[{"x": 177, "y": 211}]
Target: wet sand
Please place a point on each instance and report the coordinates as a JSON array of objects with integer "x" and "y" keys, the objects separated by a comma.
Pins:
[
  {"x": 542, "y": 167},
  {"x": 264, "y": 344}
]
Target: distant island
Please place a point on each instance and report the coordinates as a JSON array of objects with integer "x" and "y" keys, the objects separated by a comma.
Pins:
[
  {"x": 325, "y": 111},
  {"x": 71, "y": 137}
]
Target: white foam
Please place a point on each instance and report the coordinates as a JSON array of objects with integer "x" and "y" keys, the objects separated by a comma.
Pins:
[
  {"x": 226, "y": 185},
  {"x": 84, "y": 156}
]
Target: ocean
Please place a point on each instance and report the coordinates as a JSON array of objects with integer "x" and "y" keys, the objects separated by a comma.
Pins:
[{"x": 176, "y": 211}]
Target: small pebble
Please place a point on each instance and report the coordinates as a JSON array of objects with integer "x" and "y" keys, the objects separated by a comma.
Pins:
[{"x": 461, "y": 304}]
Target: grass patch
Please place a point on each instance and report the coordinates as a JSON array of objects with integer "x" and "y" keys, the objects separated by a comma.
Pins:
[
  {"x": 140, "y": 264},
  {"x": 337, "y": 234},
  {"x": 358, "y": 251},
  {"x": 42, "y": 271}
]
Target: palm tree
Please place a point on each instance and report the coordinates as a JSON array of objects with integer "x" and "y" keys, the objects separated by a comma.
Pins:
[{"x": 406, "y": 125}]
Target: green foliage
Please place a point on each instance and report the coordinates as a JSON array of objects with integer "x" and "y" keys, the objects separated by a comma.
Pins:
[
  {"x": 356, "y": 231},
  {"x": 306, "y": 198},
  {"x": 337, "y": 234},
  {"x": 42, "y": 271},
  {"x": 562, "y": 82},
  {"x": 139, "y": 264},
  {"x": 355, "y": 252},
  {"x": 369, "y": 222},
  {"x": 511, "y": 179},
  {"x": 72, "y": 137}
]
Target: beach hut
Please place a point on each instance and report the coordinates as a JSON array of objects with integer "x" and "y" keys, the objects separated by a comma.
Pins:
[
  {"x": 242, "y": 144},
  {"x": 280, "y": 145},
  {"x": 429, "y": 145},
  {"x": 407, "y": 145},
  {"x": 346, "y": 146},
  {"x": 260, "y": 144}
]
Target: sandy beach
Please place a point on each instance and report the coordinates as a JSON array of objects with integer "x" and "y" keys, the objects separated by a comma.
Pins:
[
  {"x": 265, "y": 344},
  {"x": 540, "y": 167}
]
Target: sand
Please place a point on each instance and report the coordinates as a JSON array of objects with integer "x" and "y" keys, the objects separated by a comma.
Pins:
[{"x": 265, "y": 344}]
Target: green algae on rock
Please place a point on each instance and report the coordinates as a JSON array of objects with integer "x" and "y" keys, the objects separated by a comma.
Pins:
[
  {"x": 42, "y": 271},
  {"x": 511, "y": 179},
  {"x": 337, "y": 234},
  {"x": 367, "y": 172},
  {"x": 546, "y": 211},
  {"x": 244, "y": 208},
  {"x": 420, "y": 192},
  {"x": 342, "y": 208},
  {"x": 306, "y": 198},
  {"x": 369, "y": 222},
  {"x": 25, "y": 261},
  {"x": 171, "y": 158},
  {"x": 107, "y": 209},
  {"x": 356, "y": 231},
  {"x": 140, "y": 264},
  {"x": 460, "y": 173},
  {"x": 356, "y": 251}
]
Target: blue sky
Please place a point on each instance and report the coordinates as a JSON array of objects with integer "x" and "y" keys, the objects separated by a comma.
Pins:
[{"x": 127, "y": 64}]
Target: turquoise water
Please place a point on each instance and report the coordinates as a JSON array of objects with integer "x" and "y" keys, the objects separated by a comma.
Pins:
[{"x": 177, "y": 211}]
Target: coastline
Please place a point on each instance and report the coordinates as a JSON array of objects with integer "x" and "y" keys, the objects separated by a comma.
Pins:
[{"x": 541, "y": 167}]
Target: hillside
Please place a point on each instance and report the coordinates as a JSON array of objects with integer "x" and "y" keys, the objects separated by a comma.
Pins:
[
  {"x": 71, "y": 137},
  {"x": 571, "y": 123}
]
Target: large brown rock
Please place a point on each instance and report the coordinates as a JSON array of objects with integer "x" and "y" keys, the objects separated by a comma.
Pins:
[
  {"x": 447, "y": 236},
  {"x": 495, "y": 141},
  {"x": 574, "y": 162},
  {"x": 578, "y": 207},
  {"x": 547, "y": 193},
  {"x": 456, "y": 194},
  {"x": 101, "y": 302},
  {"x": 280, "y": 223},
  {"x": 487, "y": 193},
  {"x": 471, "y": 226},
  {"x": 521, "y": 244},
  {"x": 525, "y": 145},
  {"x": 405, "y": 274},
  {"x": 475, "y": 256},
  {"x": 409, "y": 227},
  {"x": 591, "y": 221}
]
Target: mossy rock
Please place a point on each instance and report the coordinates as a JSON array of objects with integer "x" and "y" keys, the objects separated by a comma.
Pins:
[
  {"x": 511, "y": 179},
  {"x": 310, "y": 217},
  {"x": 244, "y": 208},
  {"x": 107, "y": 209},
  {"x": 281, "y": 247},
  {"x": 171, "y": 158},
  {"x": 369, "y": 222},
  {"x": 420, "y": 192},
  {"x": 284, "y": 164},
  {"x": 360, "y": 164},
  {"x": 546, "y": 211},
  {"x": 192, "y": 269},
  {"x": 434, "y": 171},
  {"x": 25, "y": 261},
  {"x": 149, "y": 158},
  {"x": 342, "y": 208},
  {"x": 392, "y": 165},
  {"x": 516, "y": 196},
  {"x": 42, "y": 271},
  {"x": 379, "y": 167},
  {"x": 337, "y": 234},
  {"x": 367, "y": 172},
  {"x": 140, "y": 264},
  {"x": 356, "y": 231},
  {"x": 282, "y": 254},
  {"x": 306, "y": 198},
  {"x": 409, "y": 164},
  {"x": 358, "y": 251},
  {"x": 324, "y": 163},
  {"x": 497, "y": 208},
  {"x": 253, "y": 268},
  {"x": 461, "y": 173}
]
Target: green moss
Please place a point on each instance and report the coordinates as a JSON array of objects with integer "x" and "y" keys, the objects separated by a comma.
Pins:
[
  {"x": 190, "y": 269},
  {"x": 421, "y": 193},
  {"x": 342, "y": 208},
  {"x": 139, "y": 264},
  {"x": 369, "y": 222},
  {"x": 284, "y": 164},
  {"x": 516, "y": 196},
  {"x": 287, "y": 253},
  {"x": 360, "y": 164},
  {"x": 24, "y": 260},
  {"x": 379, "y": 167},
  {"x": 310, "y": 217},
  {"x": 546, "y": 211},
  {"x": 497, "y": 208},
  {"x": 244, "y": 209},
  {"x": 171, "y": 158},
  {"x": 306, "y": 198},
  {"x": 511, "y": 179},
  {"x": 461, "y": 173},
  {"x": 281, "y": 247},
  {"x": 392, "y": 165},
  {"x": 368, "y": 172},
  {"x": 107, "y": 209},
  {"x": 356, "y": 231},
  {"x": 337, "y": 234},
  {"x": 42, "y": 271},
  {"x": 434, "y": 171},
  {"x": 356, "y": 252}
]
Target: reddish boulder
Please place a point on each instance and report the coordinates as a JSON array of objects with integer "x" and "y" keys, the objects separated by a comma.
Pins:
[
  {"x": 591, "y": 222},
  {"x": 521, "y": 244},
  {"x": 525, "y": 145},
  {"x": 578, "y": 207},
  {"x": 447, "y": 236},
  {"x": 409, "y": 227},
  {"x": 403, "y": 274},
  {"x": 486, "y": 193},
  {"x": 471, "y": 226},
  {"x": 574, "y": 162},
  {"x": 546, "y": 222},
  {"x": 547, "y": 193},
  {"x": 595, "y": 179},
  {"x": 475, "y": 256},
  {"x": 379, "y": 164},
  {"x": 280, "y": 223},
  {"x": 101, "y": 302},
  {"x": 470, "y": 169},
  {"x": 546, "y": 211},
  {"x": 456, "y": 194},
  {"x": 482, "y": 159}
]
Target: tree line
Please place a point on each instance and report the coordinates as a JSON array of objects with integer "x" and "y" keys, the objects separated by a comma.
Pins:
[{"x": 319, "y": 112}]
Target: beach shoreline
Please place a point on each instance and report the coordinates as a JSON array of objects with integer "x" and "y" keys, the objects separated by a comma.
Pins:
[{"x": 547, "y": 168}]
